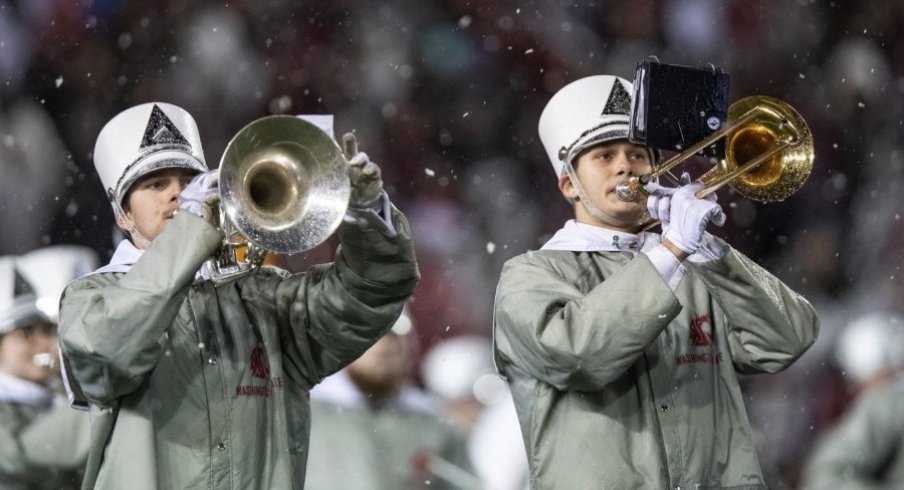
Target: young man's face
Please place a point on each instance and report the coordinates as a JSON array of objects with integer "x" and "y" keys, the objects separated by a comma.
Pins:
[
  {"x": 19, "y": 348},
  {"x": 151, "y": 201},
  {"x": 600, "y": 169}
]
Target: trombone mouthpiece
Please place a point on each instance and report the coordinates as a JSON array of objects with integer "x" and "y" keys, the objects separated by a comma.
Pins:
[{"x": 630, "y": 191}]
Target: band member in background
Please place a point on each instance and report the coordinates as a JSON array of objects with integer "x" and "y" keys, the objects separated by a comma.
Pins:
[
  {"x": 43, "y": 442},
  {"x": 623, "y": 347},
  {"x": 193, "y": 384},
  {"x": 865, "y": 448},
  {"x": 460, "y": 370},
  {"x": 372, "y": 428}
]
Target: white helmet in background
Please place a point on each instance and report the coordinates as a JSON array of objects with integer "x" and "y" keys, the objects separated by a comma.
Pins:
[
  {"x": 871, "y": 344},
  {"x": 18, "y": 306},
  {"x": 462, "y": 367},
  {"x": 584, "y": 113},
  {"x": 143, "y": 139},
  {"x": 50, "y": 269}
]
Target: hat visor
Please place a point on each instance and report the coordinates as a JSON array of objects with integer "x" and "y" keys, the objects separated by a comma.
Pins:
[
  {"x": 152, "y": 163},
  {"x": 605, "y": 134},
  {"x": 602, "y": 134}
]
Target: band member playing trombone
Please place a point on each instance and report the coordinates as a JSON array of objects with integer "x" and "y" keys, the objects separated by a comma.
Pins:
[
  {"x": 623, "y": 347},
  {"x": 196, "y": 384}
]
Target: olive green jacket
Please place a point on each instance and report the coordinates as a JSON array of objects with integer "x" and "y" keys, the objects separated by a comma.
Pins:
[
  {"x": 199, "y": 386},
  {"x": 621, "y": 383},
  {"x": 866, "y": 449}
]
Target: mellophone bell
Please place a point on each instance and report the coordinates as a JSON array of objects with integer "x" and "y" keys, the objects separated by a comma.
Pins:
[
  {"x": 763, "y": 148},
  {"x": 284, "y": 188}
]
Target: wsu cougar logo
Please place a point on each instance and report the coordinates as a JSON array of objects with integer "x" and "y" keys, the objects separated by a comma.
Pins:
[
  {"x": 698, "y": 336},
  {"x": 259, "y": 368}
]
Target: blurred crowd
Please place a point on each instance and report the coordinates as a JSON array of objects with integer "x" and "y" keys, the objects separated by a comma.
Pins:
[{"x": 445, "y": 95}]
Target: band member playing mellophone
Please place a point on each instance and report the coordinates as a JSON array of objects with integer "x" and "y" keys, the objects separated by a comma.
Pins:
[{"x": 201, "y": 384}]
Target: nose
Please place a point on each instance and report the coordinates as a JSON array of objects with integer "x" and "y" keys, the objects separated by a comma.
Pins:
[
  {"x": 45, "y": 342},
  {"x": 50, "y": 344},
  {"x": 624, "y": 166},
  {"x": 176, "y": 187}
]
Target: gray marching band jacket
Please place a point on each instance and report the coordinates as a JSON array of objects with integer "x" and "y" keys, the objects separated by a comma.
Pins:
[
  {"x": 405, "y": 444},
  {"x": 866, "y": 449},
  {"x": 202, "y": 386},
  {"x": 43, "y": 443},
  {"x": 622, "y": 383}
]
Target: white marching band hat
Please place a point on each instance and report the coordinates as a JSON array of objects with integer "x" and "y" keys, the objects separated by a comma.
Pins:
[
  {"x": 582, "y": 114},
  {"x": 18, "y": 303},
  {"x": 143, "y": 139},
  {"x": 870, "y": 344},
  {"x": 50, "y": 269},
  {"x": 462, "y": 367}
]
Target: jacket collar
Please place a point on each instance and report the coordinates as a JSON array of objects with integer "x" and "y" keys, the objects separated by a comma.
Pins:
[
  {"x": 127, "y": 254},
  {"x": 17, "y": 390},
  {"x": 580, "y": 237},
  {"x": 123, "y": 259}
]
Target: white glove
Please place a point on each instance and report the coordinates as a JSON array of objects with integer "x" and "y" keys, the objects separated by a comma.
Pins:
[
  {"x": 659, "y": 199},
  {"x": 364, "y": 175},
  {"x": 688, "y": 215},
  {"x": 197, "y": 196}
]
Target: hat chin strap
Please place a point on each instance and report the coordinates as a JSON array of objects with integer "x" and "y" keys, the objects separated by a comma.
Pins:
[
  {"x": 139, "y": 240},
  {"x": 592, "y": 208}
]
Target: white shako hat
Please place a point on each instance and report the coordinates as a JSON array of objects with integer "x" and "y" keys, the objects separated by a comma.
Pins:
[
  {"x": 50, "y": 269},
  {"x": 18, "y": 306},
  {"x": 870, "y": 344},
  {"x": 142, "y": 139},
  {"x": 584, "y": 113},
  {"x": 461, "y": 367}
]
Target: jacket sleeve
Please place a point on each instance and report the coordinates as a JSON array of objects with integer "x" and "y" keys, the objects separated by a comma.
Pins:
[
  {"x": 111, "y": 331},
  {"x": 769, "y": 324},
  {"x": 852, "y": 455},
  {"x": 548, "y": 328},
  {"x": 56, "y": 440},
  {"x": 334, "y": 312}
]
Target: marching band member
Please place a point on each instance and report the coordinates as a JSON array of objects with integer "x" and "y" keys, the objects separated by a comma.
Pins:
[
  {"x": 623, "y": 348},
  {"x": 43, "y": 442},
  {"x": 193, "y": 384},
  {"x": 372, "y": 428}
]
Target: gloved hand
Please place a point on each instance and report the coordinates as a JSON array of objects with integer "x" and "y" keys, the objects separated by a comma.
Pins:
[
  {"x": 688, "y": 216},
  {"x": 659, "y": 201},
  {"x": 201, "y": 196},
  {"x": 364, "y": 176}
]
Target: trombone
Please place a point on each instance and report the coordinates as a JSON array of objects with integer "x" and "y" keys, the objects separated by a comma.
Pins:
[
  {"x": 284, "y": 188},
  {"x": 768, "y": 154}
]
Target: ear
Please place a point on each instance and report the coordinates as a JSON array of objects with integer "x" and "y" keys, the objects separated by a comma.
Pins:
[
  {"x": 566, "y": 187},
  {"x": 124, "y": 222}
]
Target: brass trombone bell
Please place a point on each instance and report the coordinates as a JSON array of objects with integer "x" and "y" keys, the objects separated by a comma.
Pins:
[{"x": 768, "y": 153}]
